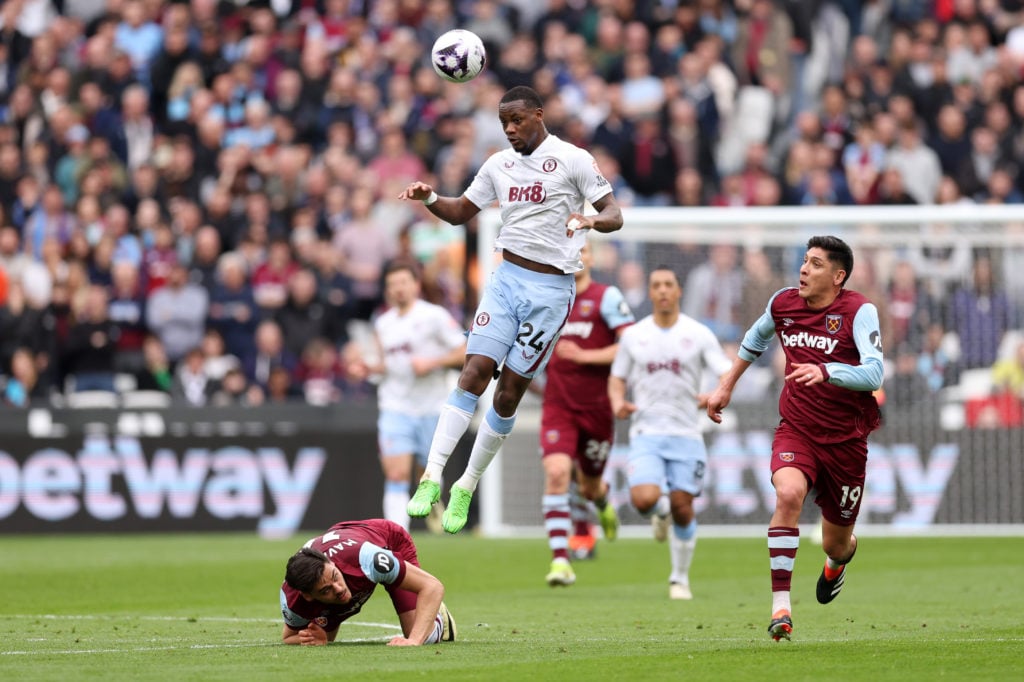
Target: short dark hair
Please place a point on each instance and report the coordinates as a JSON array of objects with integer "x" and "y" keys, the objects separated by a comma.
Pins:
[
  {"x": 667, "y": 268},
  {"x": 305, "y": 568},
  {"x": 401, "y": 264},
  {"x": 524, "y": 93},
  {"x": 836, "y": 250}
]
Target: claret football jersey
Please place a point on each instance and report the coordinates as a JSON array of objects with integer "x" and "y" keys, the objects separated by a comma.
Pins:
[{"x": 368, "y": 553}]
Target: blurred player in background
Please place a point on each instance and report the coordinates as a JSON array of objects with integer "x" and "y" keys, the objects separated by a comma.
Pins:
[
  {"x": 331, "y": 577},
  {"x": 662, "y": 360},
  {"x": 577, "y": 426},
  {"x": 833, "y": 363},
  {"x": 416, "y": 342},
  {"x": 541, "y": 184}
]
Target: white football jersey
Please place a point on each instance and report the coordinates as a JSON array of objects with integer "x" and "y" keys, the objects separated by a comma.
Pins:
[
  {"x": 536, "y": 194},
  {"x": 663, "y": 368},
  {"x": 425, "y": 331}
]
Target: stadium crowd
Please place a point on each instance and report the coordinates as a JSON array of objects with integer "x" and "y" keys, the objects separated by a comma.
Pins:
[{"x": 201, "y": 195}]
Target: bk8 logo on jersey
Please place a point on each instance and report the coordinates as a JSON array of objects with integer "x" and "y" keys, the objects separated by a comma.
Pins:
[{"x": 534, "y": 193}]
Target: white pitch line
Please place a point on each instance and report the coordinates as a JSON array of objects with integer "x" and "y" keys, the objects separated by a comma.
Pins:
[
  {"x": 217, "y": 619},
  {"x": 264, "y": 621}
]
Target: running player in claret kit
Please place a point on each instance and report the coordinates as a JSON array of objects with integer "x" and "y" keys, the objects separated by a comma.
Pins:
[
  {"x": 330, "y": 578},
  {"x": 833, "y": 348},
  {"x": 577, "y": 425},
  {"x": 541, "y": 184}
]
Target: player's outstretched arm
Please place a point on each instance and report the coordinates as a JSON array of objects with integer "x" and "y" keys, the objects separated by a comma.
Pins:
[
  {"x": 429, "y": 593},
  {"x": 311, "y": 635},
  {"x": 720, "y": 397},
  {"x": 454, "y": 210}
]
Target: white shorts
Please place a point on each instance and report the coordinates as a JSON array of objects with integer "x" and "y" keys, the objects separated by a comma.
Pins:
[
  {"x": 675, "y": 462},
  {"x": 520, "y": 316}
]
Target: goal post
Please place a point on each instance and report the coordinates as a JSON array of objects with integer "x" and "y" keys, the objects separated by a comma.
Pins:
[{"x": 953, "y": 463}]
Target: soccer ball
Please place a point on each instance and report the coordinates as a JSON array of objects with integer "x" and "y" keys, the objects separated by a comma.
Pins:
[{"x": 458, "y": 55}]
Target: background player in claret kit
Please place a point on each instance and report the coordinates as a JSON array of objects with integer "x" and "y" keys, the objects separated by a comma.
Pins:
[
  {"x": 541, "y": 184},
  {"x": 416, "y": 342},
  {"x": 577, "y": 425},
  {"x": 331, "y": 577},
  {"x": 833, "y": 363},
  {"x": 662, "y": 359}
]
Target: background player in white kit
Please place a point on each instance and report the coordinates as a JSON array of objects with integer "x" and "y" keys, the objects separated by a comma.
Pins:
[
  {"x": 662, "y": 360},
  {"x": 540, "y": 184},
  {"x": 416, "y": 342}
]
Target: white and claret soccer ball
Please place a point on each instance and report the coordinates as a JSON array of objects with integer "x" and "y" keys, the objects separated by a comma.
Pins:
[{"x": 458, "y": 55}]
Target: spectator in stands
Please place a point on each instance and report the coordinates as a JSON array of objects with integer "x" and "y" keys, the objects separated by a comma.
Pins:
[
  {"x": 233, "y": 310},
  {"x": 270, "y": 353},
  {"x": 270, "y": 279},
  {"x": 127, "y": 310},
  {"x": 176, "y": 313},
  {"x": 217, "y": 361},
  {"x": 234, "y": 389},
  {"x": 906, "y": 386},
  {"x": 713, "y": 291},
  {"x": 48, "y": 220},
  {"x": 1008, "y": 372},
  {"x": 980, "y": 314},
  {"x": 159, "y": 257},
  {"x": 365, "y": 247},
  {"x": 23, "y": 386},
  {"x": 138, "y": 36},
  {"x": 648, "y": 163},
  {"x": 91, "y": 345},
  {"x": 935, "y": 363},
  {"x": 918, "y": 165},
  {"x": 281, "y": 386},
  {"x": 304, "y": 317},
  {"x": 155, "y": 374},
  {"x": 192, "y": 384},
  {"x": 975, "y": 168}
]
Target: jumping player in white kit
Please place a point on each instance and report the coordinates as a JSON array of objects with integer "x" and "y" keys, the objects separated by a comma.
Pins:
[{"x": 541, "y": 184}]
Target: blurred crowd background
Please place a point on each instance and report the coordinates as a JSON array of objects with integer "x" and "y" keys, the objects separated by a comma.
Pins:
[{"x": 199, "y": 197}]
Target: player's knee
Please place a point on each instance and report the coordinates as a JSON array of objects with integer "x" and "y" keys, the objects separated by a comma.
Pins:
[
  {"x": 789, "y": 498},
  {"x": 556, "y": 480},
  {"x": 643, "y": 502}
]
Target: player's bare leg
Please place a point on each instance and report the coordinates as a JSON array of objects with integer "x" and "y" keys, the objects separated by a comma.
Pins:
[
  {"x": 557, "y": 473},
  {"x": 791, "y": 488},
  {"x": 840, "y": 544},
  {"x": 595, "y": 489}
]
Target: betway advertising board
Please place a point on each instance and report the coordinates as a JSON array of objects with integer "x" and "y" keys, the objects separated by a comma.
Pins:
[{"x": 189, "y": 471}]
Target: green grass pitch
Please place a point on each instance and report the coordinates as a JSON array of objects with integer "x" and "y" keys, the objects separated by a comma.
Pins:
[{"x": 204, "y": 607}]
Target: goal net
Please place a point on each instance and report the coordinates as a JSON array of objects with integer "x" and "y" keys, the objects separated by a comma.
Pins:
[{"x": 950, "y": 454}]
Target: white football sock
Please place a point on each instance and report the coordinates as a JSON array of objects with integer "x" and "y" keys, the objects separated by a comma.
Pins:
[{"x": 451, "y": 425}]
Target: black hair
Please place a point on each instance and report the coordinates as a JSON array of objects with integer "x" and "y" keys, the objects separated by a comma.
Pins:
[
  {"x": 836, "y": 250},
  {"x": 525, "y": 94},
  {"x": 662, "y": 266},
  {"x": 400, "y": 264},
  {"x": 305, "y": 568}
]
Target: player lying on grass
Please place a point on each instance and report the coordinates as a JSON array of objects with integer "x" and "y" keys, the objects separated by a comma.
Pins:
[{"x": 332, "y": 576}]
